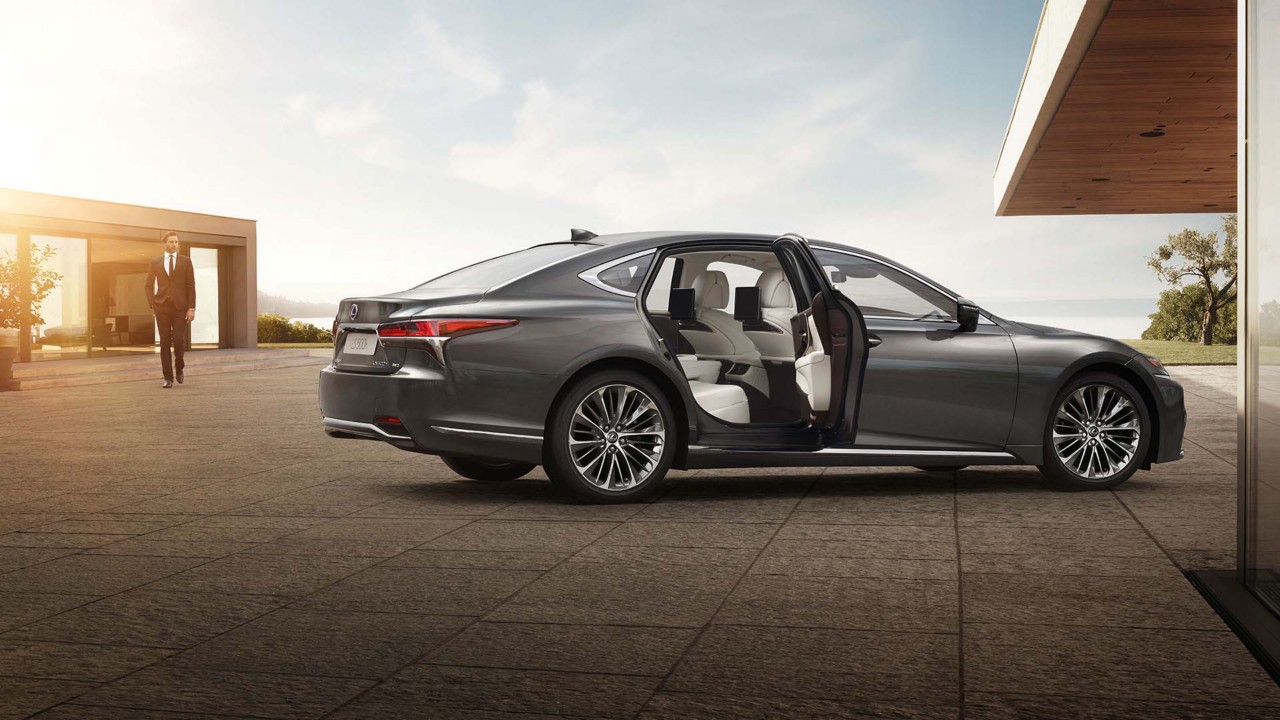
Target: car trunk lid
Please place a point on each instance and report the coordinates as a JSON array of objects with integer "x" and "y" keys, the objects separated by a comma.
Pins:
[{"x": 356, "y": 347}]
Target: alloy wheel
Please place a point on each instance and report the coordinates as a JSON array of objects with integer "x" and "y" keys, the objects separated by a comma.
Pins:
[
  {"x": 616, "y": 437},
  {"x": 1096, "y": 431}
]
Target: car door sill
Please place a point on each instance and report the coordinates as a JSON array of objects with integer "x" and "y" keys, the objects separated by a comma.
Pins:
[{"x": 701, "y": 456}]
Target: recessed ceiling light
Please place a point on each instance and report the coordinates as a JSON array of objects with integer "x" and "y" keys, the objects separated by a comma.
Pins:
[
  {"x": 1152, "y": 133},
  {"x": 1101, "y": 179}
]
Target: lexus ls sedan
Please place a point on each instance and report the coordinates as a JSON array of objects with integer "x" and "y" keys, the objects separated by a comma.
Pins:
[{"x": 609, "y": 360}]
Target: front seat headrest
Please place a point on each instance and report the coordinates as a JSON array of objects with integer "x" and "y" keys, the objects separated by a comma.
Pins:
[
  {"x": 711, "y": 290},
  {"x": 775, "y": 291}
]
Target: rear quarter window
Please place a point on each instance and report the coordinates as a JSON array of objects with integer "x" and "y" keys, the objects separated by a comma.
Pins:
[{"x": 505, "y": 268}]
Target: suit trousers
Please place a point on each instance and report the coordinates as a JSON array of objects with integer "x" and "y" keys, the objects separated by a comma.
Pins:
[{"x": 173, "y": 334}]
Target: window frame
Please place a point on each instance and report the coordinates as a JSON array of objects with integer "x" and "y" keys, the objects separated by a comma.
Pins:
[
  {"x": 982, "y": 317},
  {"x": 589, "y": 275}
]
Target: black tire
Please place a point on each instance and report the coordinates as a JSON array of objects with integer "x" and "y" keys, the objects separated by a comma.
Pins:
[
  {"x": 486, "y": 470},
  {"x": 942, "y": 468},
  {"x": 1065, "y": 477},
  {"x": 560, "y": 466}
]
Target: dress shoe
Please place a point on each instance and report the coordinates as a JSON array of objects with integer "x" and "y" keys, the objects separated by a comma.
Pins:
[
  {"x": 179, "y": 377},
  {"x": 167, "y": 384}
]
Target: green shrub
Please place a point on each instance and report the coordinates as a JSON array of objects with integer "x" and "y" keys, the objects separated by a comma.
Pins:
[
  {"x": 277, "y": 329},
  {"x": 1179, "y": 315}
]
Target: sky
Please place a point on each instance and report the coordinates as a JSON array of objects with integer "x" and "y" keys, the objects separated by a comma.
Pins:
[{"x": 381, "y": 144}]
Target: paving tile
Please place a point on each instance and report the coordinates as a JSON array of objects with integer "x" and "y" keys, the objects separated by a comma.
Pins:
[
  {"x": 699, "y": 706},
  {"x": 74, "y": 711},
  {"x": 570, "y": 648},
  {"x": 533, "y": 535},
  {"x": 856, "y": 567},
  {"x": 503, "y": 690},
  {"x": 18, "y": 609},
  {"x": 691, "y": 534},
  {"x": 16, "y": 558},
  {"x": 1057, "y": 541},
  {"x": 431, "y": 591},
  {"x": 842, "y": 665},
  {"x": 1163, "y": 602},
  {"x": 478, "y": 559},
  {"x": 172, "y": 548},
  {"x": 1067, "y": 565},
  {"x": 74, "y": 541},
  {"x": 1121, "y": 663},
  {"x": 264, "y": 574},
  {"x": 993, "y": 706},
  {"x": 22, "y": 697},
  {"x": 193, "y": 690},
  {"x": 698, "y": 556},
  {"x": 548, "y": 506},
  {"x": 419, "y": 530},
  {"x": 151, "y": 618},
  {"x": 93, "y": 574},
  {"x": 844, "y": 602},
  {"x": 71, "y": 661},
  {"x": 622, "y": 594},
  {"x": 305, "y": 642},
  {"x": 333, "y": 547}
]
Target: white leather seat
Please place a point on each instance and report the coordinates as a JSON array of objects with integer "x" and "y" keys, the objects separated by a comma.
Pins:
[
  {"x": 777, "y": 306},
  {"x": 707, "y": 371},
  {"x": 727, "y": 402},
  {"x": 724, "y": 338}
]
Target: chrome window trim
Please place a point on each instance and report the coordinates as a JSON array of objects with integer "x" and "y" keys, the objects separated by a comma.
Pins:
[
  {"x": 589, "y": 275},
  {"x": 518, "y": 278},
  {"x": 487, "y": 433},
  {"x": 982, "y": 319}
]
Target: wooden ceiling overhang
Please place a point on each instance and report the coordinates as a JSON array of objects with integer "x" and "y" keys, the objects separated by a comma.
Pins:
[{"x": 1138, "y": 113}]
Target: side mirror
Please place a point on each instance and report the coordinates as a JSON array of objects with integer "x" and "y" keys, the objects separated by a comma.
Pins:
[
  {"x": 746, "y": 305},
  {"x": 967, "y": 315},
  {"x": 680, "y": 304}
]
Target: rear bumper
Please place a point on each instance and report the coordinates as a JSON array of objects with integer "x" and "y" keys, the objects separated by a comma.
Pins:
[{"x": 433, "y": 415}]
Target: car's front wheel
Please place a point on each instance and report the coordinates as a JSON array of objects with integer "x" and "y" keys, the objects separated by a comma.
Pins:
[
  {"x": 1097, "y": 434},
  {"x": 487, "y": 470},
  {"x": 611, "y": 438}
]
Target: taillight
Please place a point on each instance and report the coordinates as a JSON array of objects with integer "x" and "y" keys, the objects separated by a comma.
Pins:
[{"x": 452, "y": 327}]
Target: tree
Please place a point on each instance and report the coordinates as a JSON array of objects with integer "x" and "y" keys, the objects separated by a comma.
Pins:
[
  {"x": 42, "y": 281},
  {"x": 1197, "y": 255},
  {"x": 1179, "y": 315}
]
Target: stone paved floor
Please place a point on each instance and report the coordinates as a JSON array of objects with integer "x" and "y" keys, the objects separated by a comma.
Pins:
[{"x": 208, "y": 552}]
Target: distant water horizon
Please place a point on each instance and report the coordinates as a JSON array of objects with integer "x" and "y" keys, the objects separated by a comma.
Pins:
[{"x": 1121, "y": 318}]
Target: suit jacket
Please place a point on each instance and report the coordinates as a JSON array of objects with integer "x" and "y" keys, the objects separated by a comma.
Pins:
[{"x": 178, "y": 290}]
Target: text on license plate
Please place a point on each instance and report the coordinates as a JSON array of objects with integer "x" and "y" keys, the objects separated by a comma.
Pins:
[{"x": 360, "y": 344}]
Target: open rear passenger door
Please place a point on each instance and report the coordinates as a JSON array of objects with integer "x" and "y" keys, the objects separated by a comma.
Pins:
[{"x": 831, "y": 343}]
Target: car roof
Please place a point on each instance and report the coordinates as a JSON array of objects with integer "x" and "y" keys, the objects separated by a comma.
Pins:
[{"x": 661, "y": 239}]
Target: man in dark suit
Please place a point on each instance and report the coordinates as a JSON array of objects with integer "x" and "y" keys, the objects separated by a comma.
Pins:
[{"x": 171, "y": 293}]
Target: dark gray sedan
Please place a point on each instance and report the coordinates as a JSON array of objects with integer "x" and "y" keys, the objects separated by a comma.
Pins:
[{"x": 610, "y": 359}]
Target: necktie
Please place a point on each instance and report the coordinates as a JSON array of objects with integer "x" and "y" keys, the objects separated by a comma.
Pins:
[{"x": 170, "y": 264}]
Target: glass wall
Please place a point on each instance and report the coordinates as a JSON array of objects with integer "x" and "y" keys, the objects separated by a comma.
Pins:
[
  {"x": 1262, "y": 361},
  {"x": 204, "y": 329},
  {"x": 121, "y": 318},
  {"x": 63, "y": 329}
]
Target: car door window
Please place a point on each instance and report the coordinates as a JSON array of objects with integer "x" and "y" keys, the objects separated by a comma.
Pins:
[
  {"x": 883, "y": 291},
  {"x": 626, "y": 276}
]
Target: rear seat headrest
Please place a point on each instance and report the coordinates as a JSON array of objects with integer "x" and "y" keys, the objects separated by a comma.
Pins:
[
  {"x": 775, "y": 291},
  {"x": 711, "y": 290}
]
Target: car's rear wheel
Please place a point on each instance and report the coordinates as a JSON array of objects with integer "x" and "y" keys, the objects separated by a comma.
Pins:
[
  {"x": 487, "y": 470},
  {"x": 611, "y": 438},
  {"x": 1097, "y": 434}
]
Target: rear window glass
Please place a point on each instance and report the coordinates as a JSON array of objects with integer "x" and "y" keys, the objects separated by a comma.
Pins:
[{"x": 488, "y": 273}]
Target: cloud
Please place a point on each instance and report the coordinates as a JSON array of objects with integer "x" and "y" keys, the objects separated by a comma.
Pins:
[
  {"x": 466, "y": 68},
  {"x": 633, "y": 168}
]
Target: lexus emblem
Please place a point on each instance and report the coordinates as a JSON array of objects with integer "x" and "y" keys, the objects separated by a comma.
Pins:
[{"x": 355, "y": 310}]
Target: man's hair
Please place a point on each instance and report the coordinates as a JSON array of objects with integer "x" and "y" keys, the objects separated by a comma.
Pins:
[{"x": 166, "y": 234}]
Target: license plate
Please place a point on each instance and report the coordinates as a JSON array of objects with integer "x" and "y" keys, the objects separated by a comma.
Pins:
[{"x": 360, "y": 344}]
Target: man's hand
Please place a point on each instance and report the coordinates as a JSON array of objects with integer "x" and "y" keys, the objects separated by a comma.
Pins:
[{"x": 191, "y": 314}]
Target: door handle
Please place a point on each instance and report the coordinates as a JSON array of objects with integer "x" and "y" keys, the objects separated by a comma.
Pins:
[{"x": 873, "y": 339}]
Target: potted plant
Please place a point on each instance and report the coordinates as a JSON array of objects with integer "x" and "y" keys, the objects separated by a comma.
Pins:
[{"x": 40, "y": 281}]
